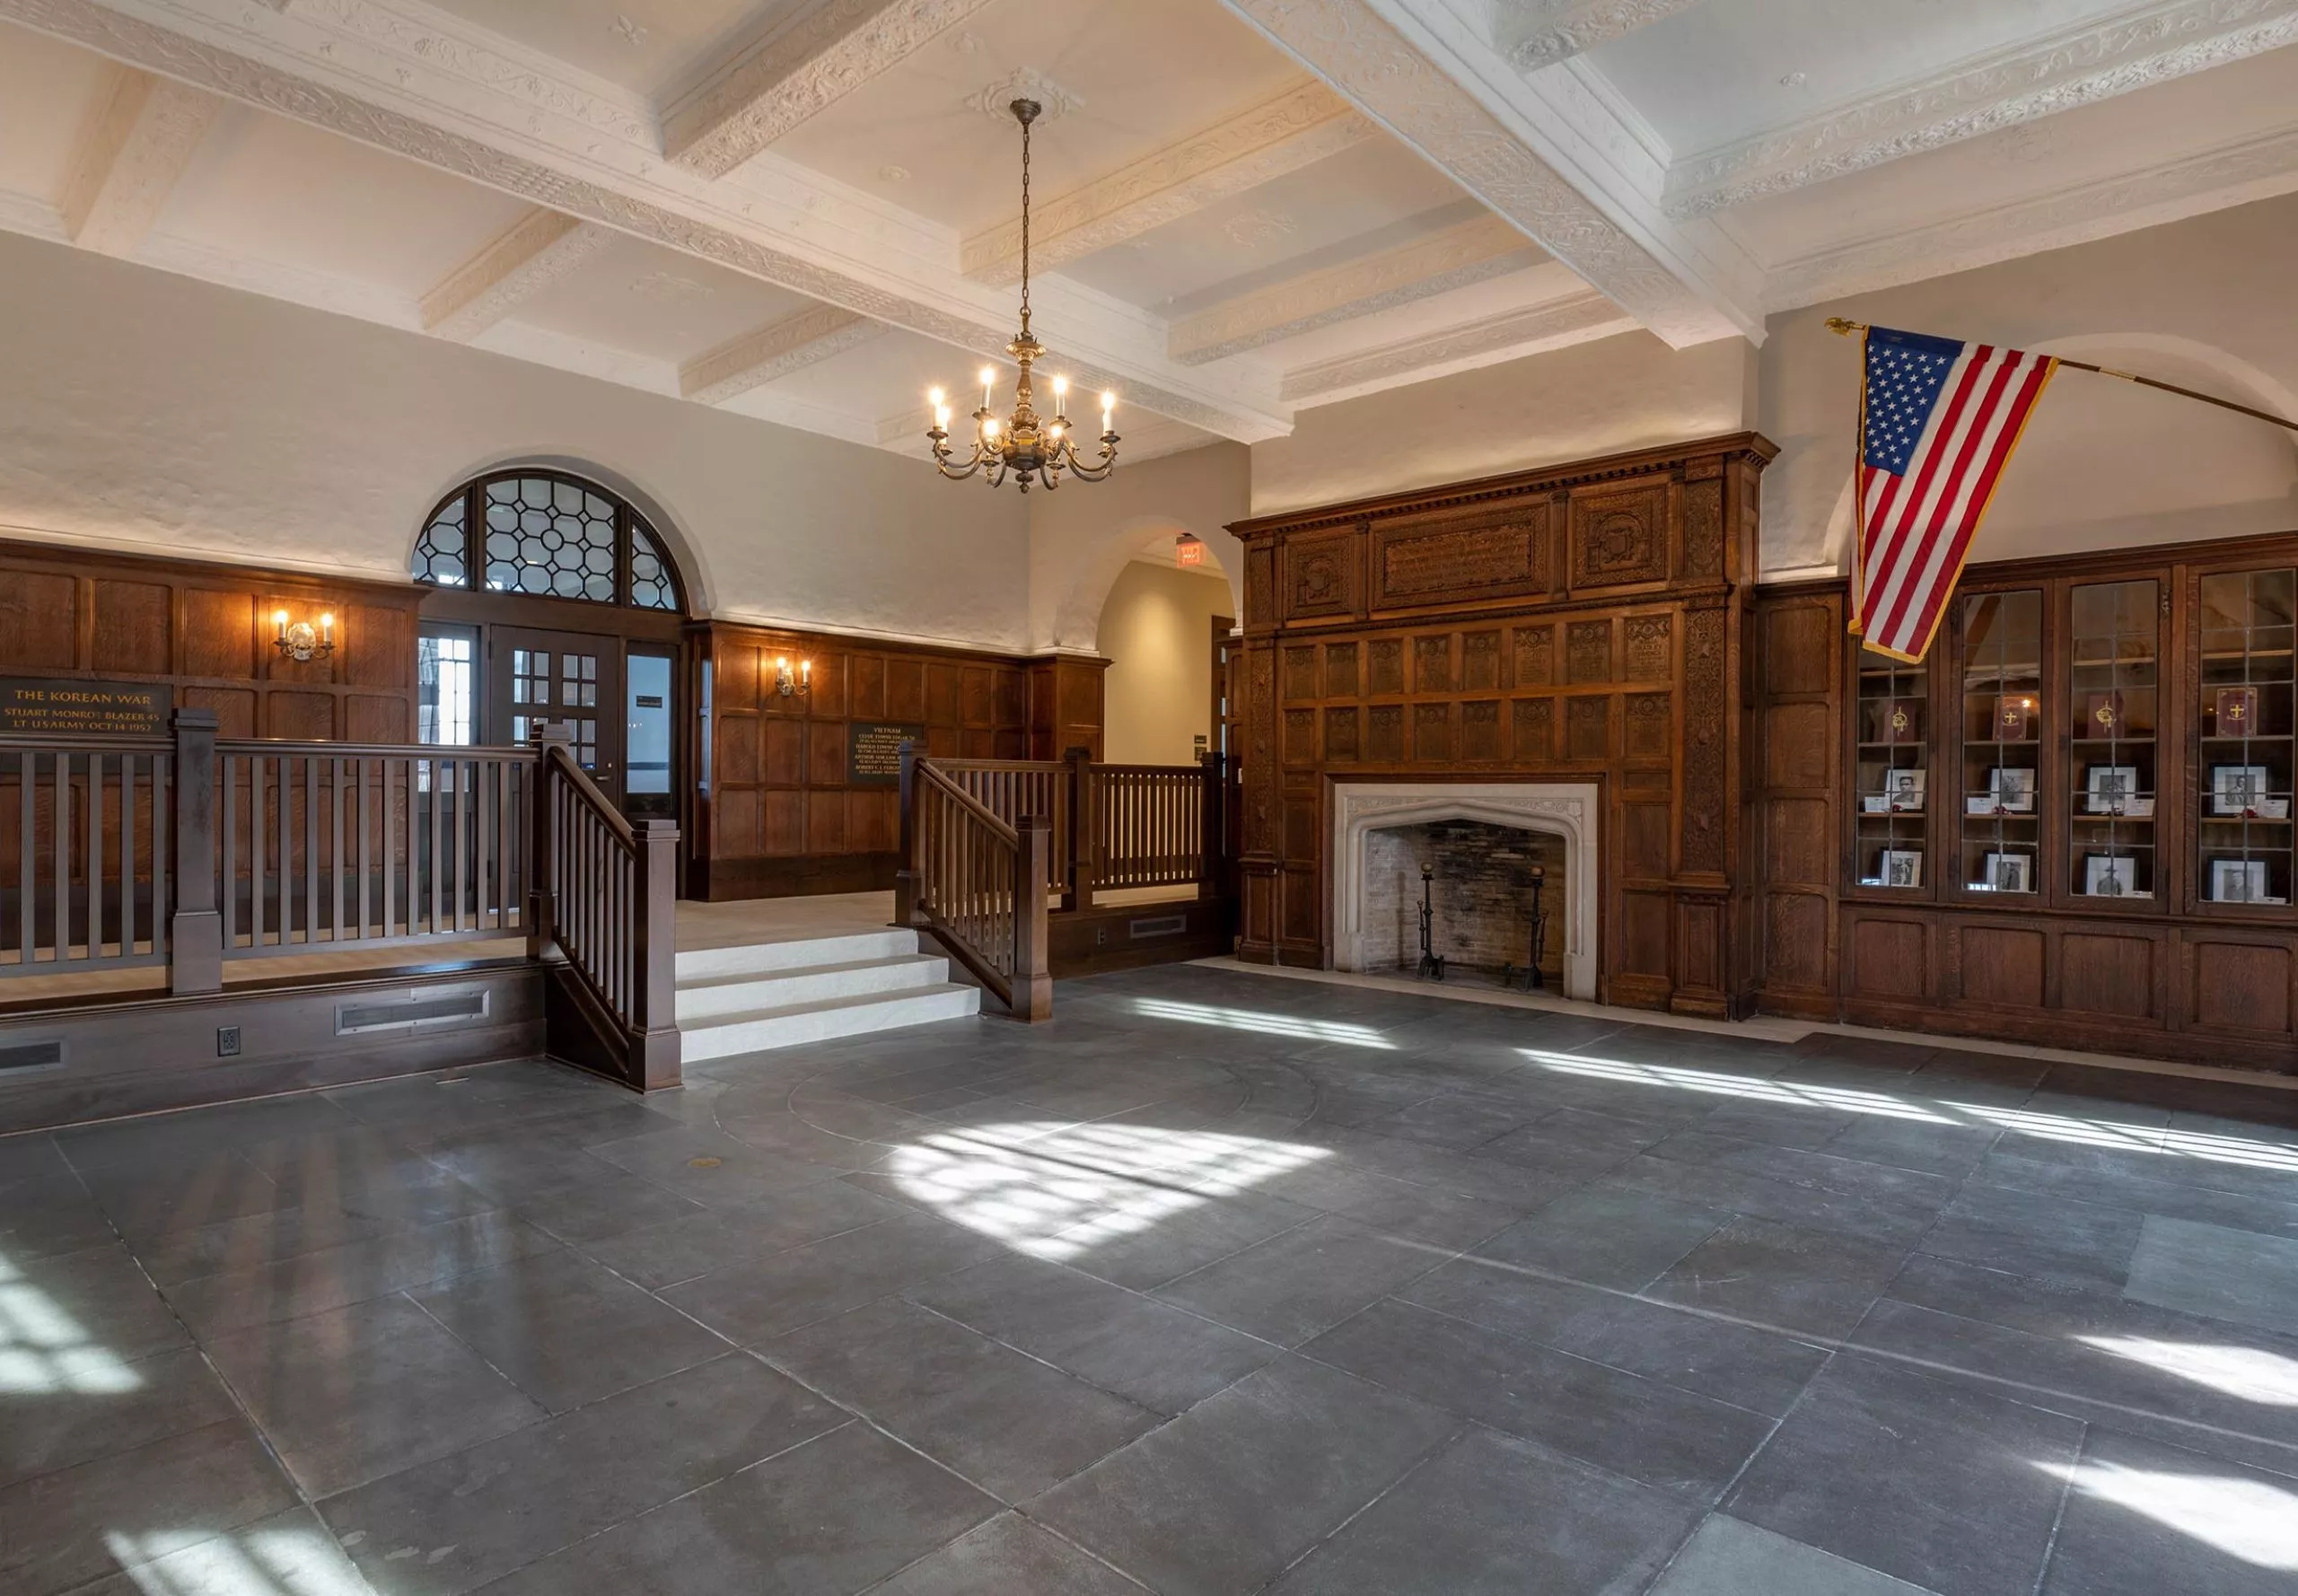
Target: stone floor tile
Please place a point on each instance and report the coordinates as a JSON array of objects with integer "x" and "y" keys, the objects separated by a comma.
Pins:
[
  {"x": 1784, "y": 1277},
  {"x": 2145, "y": 1518},
  {"x": 1606, "y": 1236},
  {"x": 96, "y": 1305},
  {"x": 2215, "y": 1273},
  {"x": 678, "y": 1250},
  {"x": 2021, "y": 1233},
  {"x": 65, "y": 1408},
  {"x": 1293, "y": 1286},
  {"x": 1727, "y": 1558},
  {"x": 288, "y": 1554},
  {"x": 1007, "y": 1556},
  {"x": 753, "y": 1302}
]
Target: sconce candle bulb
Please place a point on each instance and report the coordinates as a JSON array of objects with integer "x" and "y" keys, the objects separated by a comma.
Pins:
[{"x": 301, "y": 640}]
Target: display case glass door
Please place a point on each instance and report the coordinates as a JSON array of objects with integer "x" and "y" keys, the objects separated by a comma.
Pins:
[
  {"x": 2000, "y": 804},
  {"x": 1894, "y": 731},
  {"x": 2113, "y": 705},
  {"x": 2243, "y": 824}
]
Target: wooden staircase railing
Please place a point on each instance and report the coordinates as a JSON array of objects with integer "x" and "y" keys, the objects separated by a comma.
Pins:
[
  {"x": 978, "y": 883},
  {"x": 605, "y": 897}
]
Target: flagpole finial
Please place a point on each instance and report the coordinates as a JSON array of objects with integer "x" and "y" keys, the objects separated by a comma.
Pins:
[{"x": 1838, "y": 324}]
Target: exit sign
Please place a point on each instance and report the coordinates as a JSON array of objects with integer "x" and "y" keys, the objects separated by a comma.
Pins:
[{"x": 1189, "y": 551}]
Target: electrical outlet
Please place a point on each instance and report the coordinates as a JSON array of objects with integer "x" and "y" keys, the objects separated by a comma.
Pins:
[
  {"x": 1101, "y": 937},
  {"x": 227, "y": 1041}
]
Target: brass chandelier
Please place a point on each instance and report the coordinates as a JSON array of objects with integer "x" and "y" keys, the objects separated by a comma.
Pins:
[{"x": 1021, "y": 444}]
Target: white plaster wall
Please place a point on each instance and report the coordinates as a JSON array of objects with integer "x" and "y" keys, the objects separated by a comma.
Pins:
[
  {"x": 1082, "y": 535},
  {"x": 1620, "y": 393},
  {"x": 139, "y": 409},
  {"x": 2204, "y": 302},
  {"x": 1157, "y": 632}
]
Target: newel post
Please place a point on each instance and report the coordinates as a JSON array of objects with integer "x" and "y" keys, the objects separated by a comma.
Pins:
[
  {"x": 1085, "y": 830},
  {"x": 1213, "y": 875},
  {"x": 1033, "y": 968},
  {"x": 654, "y": 1046},
  {"x": 196, "y": 930},
  {"x": 906, "y": 873},
  {"x": 542, "y": 838}
]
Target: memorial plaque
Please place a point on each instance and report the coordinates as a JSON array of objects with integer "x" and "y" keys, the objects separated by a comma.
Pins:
[
  {"x": 32, "y": 707},
  {"x": 873, "y": 750}
]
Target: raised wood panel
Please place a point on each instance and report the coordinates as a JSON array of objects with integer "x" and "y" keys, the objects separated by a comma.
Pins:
[
  {"x": 1303, "y": 821},
  {"x": 785, "y": 746},
  {"x": 369, "y": 717},
  {"x": 1644, "y": 841},
  {"x": 1647, "y": 730},
  {"x": 825, "y": 822},
  {"x": 1481, "y": 732},
  {"x": 1457, "y": 558},
  {"x": 1799, "y": 744},
  {"x": 1300, "y": 737},
  {"x": 301, "y": 717},
  {"x": 783, "y": 820},
  {"x": 1889, "y": 958},
  {"x": 2237, "y": 986},
  {"x": 1535, "y": 734},
  {"x": 945, "y": 694},
  {"x": 1299, "y": 661},
  {"x": 739, "y": 737},
  {"x": 1322, "y": 575},
  {"x": 2002, "y": 965},
  {"x": 218, "y": 633},
  {"x": 1340, "y": 670},
  {"x": 1646, "y": 654},
  {"x": 1384, "y": 665},
  {"x": 825, "y": 757},
  {"x": 1535, "y": 655},
  {"x": 234, "y": 707},
  {"x": 1480, "y": 661},
  {"x": 1587, "y": 728},
  {"x": 1798, "y": 646},
  {"x": 1619, "y": 534},
  {"x": 1799, "y": 842},
  {"x": 734, "y": 824},
  {"x": 378, "y": 646},
  {"x": 1432, "y": 733},
  {"x": 1587, "y": 652},
  {"x": 1795, "y": 940},
  {"x": 39, "y": 621},
  {"x": 2101, "y": 974},
  {"x": 1384, "y": 733},
  {"x": 866, "y": 685},
  {"x": 1644, "y": 919},
  {"x": 905, "y": 689},
  {"x": 1343, "y": 734},
  {"x": 1432, "y": 664},
  {"x": 133, "y": 630}
]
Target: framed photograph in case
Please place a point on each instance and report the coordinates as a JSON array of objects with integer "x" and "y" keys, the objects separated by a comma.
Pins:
[
  {"x": 2008, "y": 872},
  {"x": 2110, "y": 789},
  {"x": 2110, "y": 875},
  {"x": 1902, "y": 867},
  {"x": 1905, "y": 790},
  {"x": 2238, "y": 880},
  {"x": 2237, "y": 789},
  {"x": 2013, "y": 788}
]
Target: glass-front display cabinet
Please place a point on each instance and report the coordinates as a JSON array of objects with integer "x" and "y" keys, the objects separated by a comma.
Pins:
[
  {"x": 2243, "y": 801},
  {"x": 2001, "y": 805},
  {"x": 1893, "y": 731},
  {"x": 2115, "y": 631}
]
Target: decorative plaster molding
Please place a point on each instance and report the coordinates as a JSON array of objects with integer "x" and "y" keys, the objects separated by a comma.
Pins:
[
  {"x": 542, "y": 247},
  {"x": 995, "y": 101},
  {"x": 1460, "y": 255},
  {"x": 1556, "y": 30},
  {"x": 758, "y": 357},
  {"x": 132, "y": 160},
  {"x": 317, "y": 291},
  {"x": 1478, "y": 129},
  {"x": 2077, "y": 67},
  {"x": 462, "y": 109},
  {"x": 1297, "y": 129},
  {"x": 1580, "y": 318},
  {"x": 2256, "y": 169},
  {"x": 796, "y": 70},
  {"x": 1570, "y": 809}
]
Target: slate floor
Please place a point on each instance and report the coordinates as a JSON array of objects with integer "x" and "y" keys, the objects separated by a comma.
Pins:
[{"x": 1218, "y": 1284}]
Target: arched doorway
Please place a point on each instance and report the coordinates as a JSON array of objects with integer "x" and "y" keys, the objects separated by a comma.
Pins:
[{"x": 556, "y": 600}]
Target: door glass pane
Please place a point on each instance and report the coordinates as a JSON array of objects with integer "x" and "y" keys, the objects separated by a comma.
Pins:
[
  {"x": 446, "y": 676},
  {"x": 2003, "y": 689},
  {"x": 1892, "y": 710},
  {"x": 2112, "y": 700},
  {"x": 2250, "y": 623},
  {"x": 646, "y": 757}
]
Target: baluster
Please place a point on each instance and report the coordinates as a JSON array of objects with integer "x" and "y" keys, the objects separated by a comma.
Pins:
[
  {"x": 27, "y": 855},
  {"x": 94, "y": 896},
  {"x": 161, "y": 768},
  {"x": 284, "y": 787},
  {"x": 126, "y": 918},
  {"x": 61, "y": 849}
]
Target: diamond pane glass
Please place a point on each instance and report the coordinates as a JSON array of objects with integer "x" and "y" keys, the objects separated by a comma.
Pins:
[
  {"x": 650, "y": 587},
  {"x": 440, "y": 554}
]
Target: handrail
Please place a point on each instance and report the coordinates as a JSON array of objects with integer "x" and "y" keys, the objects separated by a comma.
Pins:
[
  {"x": 605, "y": 901},
  {"x": 977, "y": 883}
]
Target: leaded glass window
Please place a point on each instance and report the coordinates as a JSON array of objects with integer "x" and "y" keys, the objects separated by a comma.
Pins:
[{"x": 546, "y": 535}]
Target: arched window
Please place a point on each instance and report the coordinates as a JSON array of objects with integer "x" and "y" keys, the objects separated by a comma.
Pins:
[{"x": 546, "y": 534}]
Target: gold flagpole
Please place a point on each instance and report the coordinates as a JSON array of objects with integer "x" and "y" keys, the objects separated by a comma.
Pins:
[{"x": 1838, "y": 324}]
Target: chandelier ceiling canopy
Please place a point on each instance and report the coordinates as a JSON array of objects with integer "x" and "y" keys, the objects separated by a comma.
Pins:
[{"x": 1023, "y": 445}]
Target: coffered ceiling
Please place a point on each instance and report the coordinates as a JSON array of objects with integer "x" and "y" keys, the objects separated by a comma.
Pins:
[{"x": 806, "y": 210}]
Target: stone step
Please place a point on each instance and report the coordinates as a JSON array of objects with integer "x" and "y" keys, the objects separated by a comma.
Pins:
[
  {"x": 723, "y": 1035},
  {"x": 797, "y": 952},
  {"x": 749, "y": 991}
]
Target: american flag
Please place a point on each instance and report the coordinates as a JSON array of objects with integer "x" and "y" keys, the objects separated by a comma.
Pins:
[{"x": 1938, "y": 423}]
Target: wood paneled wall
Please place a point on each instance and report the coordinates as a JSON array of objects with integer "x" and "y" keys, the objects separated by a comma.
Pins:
[
  {"x": 1582, "y": 622},
  {"x": 778, "y": 815},
  {"x": 205, "y": 630}
]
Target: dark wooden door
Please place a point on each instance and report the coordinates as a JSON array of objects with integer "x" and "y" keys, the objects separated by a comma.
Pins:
[{"x": 572, "y": 677}]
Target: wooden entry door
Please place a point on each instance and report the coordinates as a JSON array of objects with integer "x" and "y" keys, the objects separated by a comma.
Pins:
[{"x": 574, "y": 676}]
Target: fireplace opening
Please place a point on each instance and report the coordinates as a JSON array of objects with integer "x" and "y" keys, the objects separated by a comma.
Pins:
[{"x": 1480, "y": 891}]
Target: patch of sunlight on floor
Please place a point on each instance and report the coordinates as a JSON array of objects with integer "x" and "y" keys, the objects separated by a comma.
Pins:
[
  {"x": 2137, "y": 1138},
  {"x": 1058, "y": 1191},
  {"x": 286, "y": 1562},
  {"x": 2254, "y": 1375},
  {"x": 2243, "y": 1518},
  {"x": 1268, "y": 1025},
  {"x": 43, "y": 1348},
  {"x": 1843, "y": 1099}
]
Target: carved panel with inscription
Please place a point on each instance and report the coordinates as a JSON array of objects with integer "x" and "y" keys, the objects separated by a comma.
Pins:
[
  {"x": 1465, "y": 559},
  {"x": 1480, "y": 661},
  {"x": 1644, "y": 731},
  {"x": 1384, "y": 740},
  {"x": 1480, "y": 730},
  {"x": 1299, "y": 673},
  {"x": 1619, "y": 534},
  {"x": 1535, "y": 656},
  {"x": 1587, "y": 652},
  {"x": 1535, "y": 736},
  {"x": 1587, "y": 728},
  {"x": 1341, "y": 733},
  {"x": 1432, "y": 664},
  {"x": 1340, "y": 670},
  {"x": 1384, "y": 661},
  {"x": 1643, "y": 647},
  {"x": 1707, "y": 709}
]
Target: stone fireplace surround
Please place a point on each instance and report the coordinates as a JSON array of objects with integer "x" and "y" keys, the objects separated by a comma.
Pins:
[{"x": 1564, "y": 809}]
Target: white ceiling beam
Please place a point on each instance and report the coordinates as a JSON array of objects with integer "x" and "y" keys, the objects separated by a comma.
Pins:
[
  {"x": 542, "y": 247},
  {"x": 1542, "y": 150},
  {"x": 1297, "y": 129},
  {"x": 1536, "y": 33},
  {"x": 760, "y": 356},
  {"x": 132, "y": 160},
  {"x": 2079, "y": 67},
  {"x": 1469, "y": 253},
  {"x": 807, "y": 63},
  {"x": 420, "y": 82},
  {"x": 1511, "y": 335}
]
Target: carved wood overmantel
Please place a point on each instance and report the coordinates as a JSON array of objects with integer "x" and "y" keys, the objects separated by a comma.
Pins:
[{"x": 1580, "y": 623}]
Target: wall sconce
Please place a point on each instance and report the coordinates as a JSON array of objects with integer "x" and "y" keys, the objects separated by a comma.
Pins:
[
  {"x": 801, "y": 685},
  {"x": 302, "y": 641}
]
